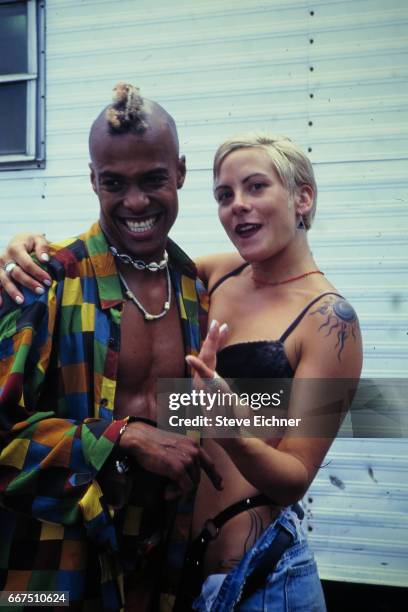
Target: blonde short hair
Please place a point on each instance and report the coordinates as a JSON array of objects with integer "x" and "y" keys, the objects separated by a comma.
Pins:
[{"x": 291, "y": 164}]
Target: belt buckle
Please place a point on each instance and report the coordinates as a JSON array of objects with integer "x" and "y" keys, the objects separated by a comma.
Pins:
[{"x": 212, "y": 529}]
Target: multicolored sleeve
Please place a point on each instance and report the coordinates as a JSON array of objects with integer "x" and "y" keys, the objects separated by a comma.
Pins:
[{"x": 48, "y": 465}]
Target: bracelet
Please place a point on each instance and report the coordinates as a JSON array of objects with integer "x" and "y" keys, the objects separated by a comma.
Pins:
[
  {"x": 122, "y": 465},
  {"x": 137, "y": 419}
]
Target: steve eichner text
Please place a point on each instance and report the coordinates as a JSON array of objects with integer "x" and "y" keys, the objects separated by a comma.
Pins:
[{"x": 208, "y": 400}]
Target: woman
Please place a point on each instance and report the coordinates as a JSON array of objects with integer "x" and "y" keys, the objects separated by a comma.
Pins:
[
  {"x": 285, "y": 320},
  {"x": 277, "y": 305}
]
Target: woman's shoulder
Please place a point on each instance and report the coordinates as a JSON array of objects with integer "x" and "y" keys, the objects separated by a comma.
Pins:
[
  {"x": 212, "y": 267},
  {"x": 327, "y": 306},
  {"x": 332, "y": 331}
]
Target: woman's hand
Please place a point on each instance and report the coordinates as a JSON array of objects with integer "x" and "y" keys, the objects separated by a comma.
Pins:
[
  {"x": 207, "y": 357},
  {"x": 206, "y": 378},
  {"x": 203, "y": 366},
  {"x": 26, "y": 272}
]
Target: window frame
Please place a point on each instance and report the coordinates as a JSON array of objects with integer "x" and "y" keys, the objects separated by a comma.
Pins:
[{"x": 34, "y": 156}]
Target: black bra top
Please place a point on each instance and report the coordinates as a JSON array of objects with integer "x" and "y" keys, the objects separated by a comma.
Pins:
[{"x": 259, "y": 358}]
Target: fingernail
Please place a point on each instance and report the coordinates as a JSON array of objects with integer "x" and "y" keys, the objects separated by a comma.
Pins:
[
  {"x": 47, "y": 282},
  {"x": 39, "y": 290},
  {"x": 19, "y": 299},
  {"x": 224, "y": 327},
  {"x": 214, "y": 324},
  {"x": 45, "y": 257}
]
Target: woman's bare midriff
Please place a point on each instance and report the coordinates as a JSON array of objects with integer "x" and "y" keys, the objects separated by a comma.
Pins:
[{"x": 238, "y": 534}]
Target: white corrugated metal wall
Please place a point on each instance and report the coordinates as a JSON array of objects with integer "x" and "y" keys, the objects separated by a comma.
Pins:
[{"x": 332, "y": 75}]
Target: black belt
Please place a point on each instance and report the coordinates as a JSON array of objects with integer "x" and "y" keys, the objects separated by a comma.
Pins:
[
  {"x": 268, "y": 561},
  {"x": 212, "y": 527},
  {"x": 192, "y": 579},
  {"x": 192, "y": 575}
]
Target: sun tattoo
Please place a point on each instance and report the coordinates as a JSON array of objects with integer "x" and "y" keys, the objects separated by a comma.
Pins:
[{"x": 340, "y": 318}]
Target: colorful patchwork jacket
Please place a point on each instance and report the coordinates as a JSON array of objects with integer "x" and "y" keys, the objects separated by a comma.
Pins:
[{"x": 58, "y": 365}]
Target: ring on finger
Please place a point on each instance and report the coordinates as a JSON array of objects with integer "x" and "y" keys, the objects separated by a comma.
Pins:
[
  {"x": 214, "y": 382},
  {"x": 9, "y": 267}
]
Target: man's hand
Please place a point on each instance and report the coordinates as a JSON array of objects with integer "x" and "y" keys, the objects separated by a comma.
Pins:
[
  {"x": 177, "y": 457},
  {"x": 27, "y": 273}
]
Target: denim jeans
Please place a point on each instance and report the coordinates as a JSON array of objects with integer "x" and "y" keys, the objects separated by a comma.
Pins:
[{"x": 293, "y": 586}]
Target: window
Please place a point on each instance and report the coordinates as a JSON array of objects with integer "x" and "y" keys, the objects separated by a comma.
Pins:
[{"x": 22, "y": 103}]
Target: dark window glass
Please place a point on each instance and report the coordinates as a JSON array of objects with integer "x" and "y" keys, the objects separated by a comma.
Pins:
[
  {"x": 13, "y": 38},
  {"x": 13, "y": 118}
]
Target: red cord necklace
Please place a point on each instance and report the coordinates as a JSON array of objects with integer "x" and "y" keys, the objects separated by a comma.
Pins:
[{"x": 288, "y": 280}]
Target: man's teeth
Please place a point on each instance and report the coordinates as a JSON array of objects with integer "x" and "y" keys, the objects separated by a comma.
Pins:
[{"x": 141, "y": 226}]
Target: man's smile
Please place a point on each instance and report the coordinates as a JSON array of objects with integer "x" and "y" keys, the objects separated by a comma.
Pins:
[{"x": 143, "y": 224}]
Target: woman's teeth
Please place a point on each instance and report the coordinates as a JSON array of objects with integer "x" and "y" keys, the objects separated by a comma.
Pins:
[
  {"x": 141, "y": 226},
  {"x": 247, "y": 227}
]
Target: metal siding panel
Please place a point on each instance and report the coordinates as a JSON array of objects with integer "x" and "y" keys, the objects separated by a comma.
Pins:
[
  {"x": 223, "y": 68},
  {"x": 356, "y": 512}
]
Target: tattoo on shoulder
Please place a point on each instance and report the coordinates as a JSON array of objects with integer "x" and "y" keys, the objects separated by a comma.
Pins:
[{"x": 340, "y": 318}]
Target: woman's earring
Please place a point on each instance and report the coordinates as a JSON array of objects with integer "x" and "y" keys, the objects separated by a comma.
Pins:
[{"x": 301, "y": 225}]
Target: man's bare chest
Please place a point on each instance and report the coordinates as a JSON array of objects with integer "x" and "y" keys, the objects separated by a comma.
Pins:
[{"x": 149, "y": 350}]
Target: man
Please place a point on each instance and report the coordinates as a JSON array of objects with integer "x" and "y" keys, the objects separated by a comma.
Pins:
[{"x": 89, "y": 488}]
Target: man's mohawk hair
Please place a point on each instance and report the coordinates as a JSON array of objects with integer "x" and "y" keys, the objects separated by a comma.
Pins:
[{"x": 125, "y": 114}]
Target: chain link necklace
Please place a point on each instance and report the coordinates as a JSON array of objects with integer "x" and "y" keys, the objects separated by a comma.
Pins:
[{"x": 139, "y": 264}]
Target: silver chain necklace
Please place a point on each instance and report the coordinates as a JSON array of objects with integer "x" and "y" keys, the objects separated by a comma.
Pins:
[
  {"x": 147, "y": 315},
  {"x": 139, "y": 264}
]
